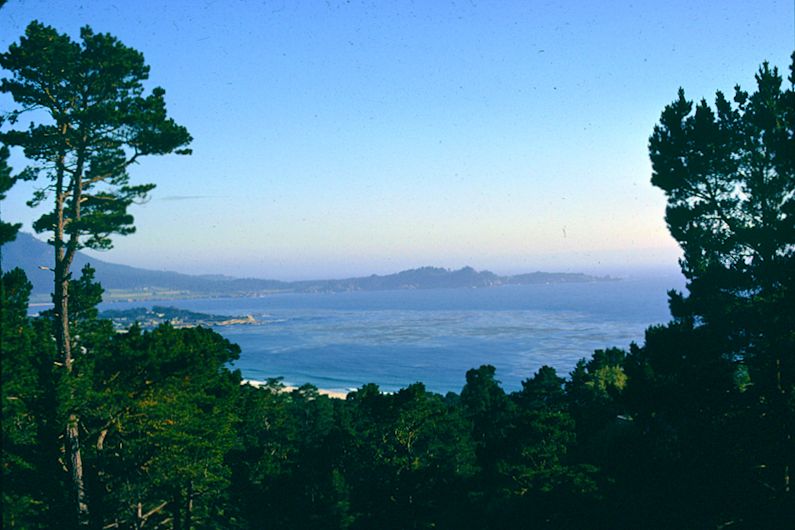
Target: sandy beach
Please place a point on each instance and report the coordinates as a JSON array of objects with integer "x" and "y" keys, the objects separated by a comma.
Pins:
[{"x": 334, "y": 394}]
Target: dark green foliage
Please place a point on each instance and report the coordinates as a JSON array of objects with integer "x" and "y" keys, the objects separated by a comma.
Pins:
[
  {"x": 285, "y": 470},
  {"x": 409, "y": 459},
  {"x": 372, "y": 461},
  {"x": 488, "y": 408},
  {"x": 593, "y": 388},
  {"x": 32, "y": 478},
  {"x": 412, "y": 459},
  {"x": 157, "y": 411},
  {"x": 8, "y": 231},
  {"x": 19, "y": 394},
  {"x": 729, "y": 176},
  {"x": 99, "y": 122},
  {"x": 712, "y": 392},
  {"x": 94, "y": 121},
  {"x": 543, "y": 392},
  {"x": 160, "y": 416}
]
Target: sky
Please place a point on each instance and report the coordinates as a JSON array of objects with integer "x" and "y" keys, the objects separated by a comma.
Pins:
[{"x": 335, "y": 139}]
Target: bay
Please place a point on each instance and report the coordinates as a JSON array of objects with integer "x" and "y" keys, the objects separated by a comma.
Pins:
[{"x": 340, "y": 341}]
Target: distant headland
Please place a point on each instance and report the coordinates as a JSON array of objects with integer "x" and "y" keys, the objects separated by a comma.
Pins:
[{"x": 122, "y": 282}]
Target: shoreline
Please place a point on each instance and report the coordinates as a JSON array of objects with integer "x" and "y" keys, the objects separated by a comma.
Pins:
[{"x": 333, "y": 394}]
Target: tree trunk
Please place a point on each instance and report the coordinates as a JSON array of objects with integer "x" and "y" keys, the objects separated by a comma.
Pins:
[
  {"x": 138, "y": 523},
  {"x": 76, "y": 469},
  {"x": 72, "y": 426},
  {"x": 189, "y": 506},
  {"x": 64, "y": 343}
]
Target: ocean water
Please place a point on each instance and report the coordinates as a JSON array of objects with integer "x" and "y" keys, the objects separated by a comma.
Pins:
[{"x": 340, "y": 341}]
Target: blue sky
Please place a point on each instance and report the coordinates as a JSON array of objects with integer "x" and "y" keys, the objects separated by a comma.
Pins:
[{"x": 345, "y": 138}]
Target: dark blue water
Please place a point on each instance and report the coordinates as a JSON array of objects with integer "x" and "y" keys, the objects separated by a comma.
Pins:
[{"x": 340, "y": 341}]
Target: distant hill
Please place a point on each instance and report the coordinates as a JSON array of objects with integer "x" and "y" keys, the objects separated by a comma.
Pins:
[
  {"x": 438, "y": 278},
  {"x": 30, "y": 253},
  {"x": 122, "y": 281}
]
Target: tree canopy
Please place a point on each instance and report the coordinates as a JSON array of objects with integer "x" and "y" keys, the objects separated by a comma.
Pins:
[
  {"x": 92, "y": 121},
  {"x": 98, "y": 122},
  {"x": 8, "y": 231},
  {"x": 721, "y": 376}
]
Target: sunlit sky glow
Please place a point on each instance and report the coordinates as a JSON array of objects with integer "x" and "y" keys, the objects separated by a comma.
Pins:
[{"x": 345, "y": 138}]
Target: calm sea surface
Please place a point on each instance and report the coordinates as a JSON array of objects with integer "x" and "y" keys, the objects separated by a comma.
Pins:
[{"x": 394, "y": 338}]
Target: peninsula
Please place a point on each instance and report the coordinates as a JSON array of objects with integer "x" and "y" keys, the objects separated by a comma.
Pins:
[
  {"x": 122, "y": 282},
  {"x": 149, "y": 318}
]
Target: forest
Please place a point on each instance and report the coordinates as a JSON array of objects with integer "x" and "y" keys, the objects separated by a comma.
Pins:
[{"x": 692, "y": 428}]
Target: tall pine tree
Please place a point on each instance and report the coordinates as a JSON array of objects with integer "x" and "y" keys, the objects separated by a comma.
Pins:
[{"x": 93, "y": 122}]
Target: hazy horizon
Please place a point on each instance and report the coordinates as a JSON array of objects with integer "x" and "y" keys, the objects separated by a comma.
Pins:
[
  {"x": 334, "y": 272},
  {"x": 606, "y": 265},
  {"x": 551, "y": 264},
  {"x": 345, "y": 139}
]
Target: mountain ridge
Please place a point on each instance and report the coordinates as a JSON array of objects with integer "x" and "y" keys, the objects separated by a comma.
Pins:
[{"x": 126, "y": 282}]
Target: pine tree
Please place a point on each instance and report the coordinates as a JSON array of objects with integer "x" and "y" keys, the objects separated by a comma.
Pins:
[{"x": 94, "y": 122}]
